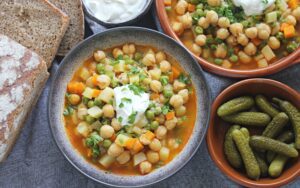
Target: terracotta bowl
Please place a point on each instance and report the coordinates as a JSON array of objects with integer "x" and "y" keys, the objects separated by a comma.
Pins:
[
  {"x": 108, "y": 39},
  {"x": 217, "y": 129},
  {"x": 292, "y": 59}
]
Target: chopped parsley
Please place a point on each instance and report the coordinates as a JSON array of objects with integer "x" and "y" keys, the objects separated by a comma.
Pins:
[
  {"x": 165, "y": 109},
  {"x": 69, "y": 110},
  {"x": 184, "y": 79},
  {"x": 265, "y": 2},
  {"x": 178, "y": 141},
  {"x": 124, "y": 99},
  {"x": 93, "y": 140},
  {"x": 134, "y": 70},
  {"x": 137, "y": 90},
  {"x": 164, "y": 80},
  {"x": 120, "y": 119},
  {"x": 121, "y": 105},
  {"x": 132, "y": 117}
]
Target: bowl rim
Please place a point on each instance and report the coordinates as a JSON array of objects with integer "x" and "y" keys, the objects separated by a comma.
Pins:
[
  {"x": 124, "y": 23},
  {"x": 209, "y": 140},
  {"x": 283, "y": 63},
  {"x": 79, "y": 45}
]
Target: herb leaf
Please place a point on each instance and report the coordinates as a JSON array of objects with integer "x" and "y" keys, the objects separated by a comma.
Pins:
[
  {"x": 132, "y": 117},
  {"x": 165, "y": 109},
  {"x": 184, "y": 79},
  {"x": 137, "y": 90}
]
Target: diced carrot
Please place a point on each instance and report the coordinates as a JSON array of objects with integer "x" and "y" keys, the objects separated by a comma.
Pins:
[
  {"x": 171, "y": 77},
  {"x": 256, "y": 41},
  {"x": 176, "y": 72},
  {"x": 113, "y": 137},
  {"x": 167, "y": 2},
  {"x": 149, "y": 135},
  {"x": 154, "y": 96},
  {"x": 191, "y": 7},
  {"x": 94, "y": 79},
  {"x": 283, "y": 25},
  {"x": 170, "y": 115},
  {"x": 289, "y": 31},
  {"x": 130, "y": 143},
  {"x": 76, "y": 87},
  {"x": 293, "y": 4},
  {"x": 96, "y": 92}
]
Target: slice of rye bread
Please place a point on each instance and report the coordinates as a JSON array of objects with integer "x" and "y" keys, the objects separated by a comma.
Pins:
[
  {"x": 36, "y": 24},
  {"x": 75, "y": 32},
  {"x": 23, "y": 74}
]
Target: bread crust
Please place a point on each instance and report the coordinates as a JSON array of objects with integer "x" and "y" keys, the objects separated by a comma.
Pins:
[{"x": 24, "y": 75}]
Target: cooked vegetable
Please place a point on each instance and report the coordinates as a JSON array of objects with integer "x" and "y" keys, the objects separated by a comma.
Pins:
[
  {"x": 277, "y": 165},
  {"x": 235, "y": 105},
  {"x": 276, "y": 125},
  {"x": 265, "y": 106}
]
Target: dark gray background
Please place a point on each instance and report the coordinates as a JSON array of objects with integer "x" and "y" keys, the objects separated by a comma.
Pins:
[{"x": 36, "y": 161}]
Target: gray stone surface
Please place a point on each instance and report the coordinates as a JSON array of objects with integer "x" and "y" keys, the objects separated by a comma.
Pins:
[{"x": 36, "y": 161}]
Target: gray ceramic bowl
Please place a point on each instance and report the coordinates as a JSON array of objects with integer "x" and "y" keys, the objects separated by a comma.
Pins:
[
  {"x": 108, "y": 39},
  {"x": 125, "y": 23}
]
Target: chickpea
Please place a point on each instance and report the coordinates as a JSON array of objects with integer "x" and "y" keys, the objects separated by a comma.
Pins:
[
  {"x": 176, "y": 101},
  {"x": 155, "y": 145},
  {"x": 236, "y": 29},
  {"x": 200, "y": 40},
  {"x": 108, "y": 111},
  {"x": 149, "y": 59},
  {"x": 203, "y": 22},
  {"x": 263, "y": 34},
  {"x": 184, "y": 94},
  {"x": 156, "y": 86},
  {"x": 161, "y": 119},
  {"x": 251, "y": 32},
  {"x": 125, "y": 48},
  {"x": 178, "y": 28},
  {"x": 165, "y": 66},
  {"x": 160, "y": 132},
  {"x": 155, "y": 73},
  {"x": 89, "y": 82},
  {"x": 172, "y": 143},
  {"x": 250, "y": 49},
  {"x": 177, "y": 85},
  {"x": 263, "y": 26},
  {"x": 144, "y": 140},
  {"x": 186, "y": 20},
  {"x": 181, "y": 7},
  {"x": 124, "y": 157},
  {"x": 231, "y": 40},
  {"x": 242, "y": 39},
  {"x": 74, "y": 99},
  {"x": 244, "y": 57},
  {"x": 115, "y": 150},
  {"x": 274, "y": 43},
  {"x": 103, "y": 81},
  {"x": 171, "y": 124},
  {"x": 152, "y": 157},
  {"x": 160, "y": 56},
  {"x": 180, "y": 111},
  {"x": 212, "y": 17},
  {"x": 214, "y": 3},
  {"x": 123, "y": 78},
  {"x": 106, "y": 131},
  {"x": 116, "y": 124},
  {"x": 99, "y": 55},
  {"x": 164, "y": 153},
  {"x": 162, "y": 98},
  {"x": 290, "y": 19},
  {"x": 296, "y": 13},
  {"x": 221, "y": 51},
  {"x": 196, "y": 49},
  {"x": 145, "y": 167},
  {"x": 117, "y": 52},
  {"x": 222, "y": 33},
  {"x": 224, "y": 22}
]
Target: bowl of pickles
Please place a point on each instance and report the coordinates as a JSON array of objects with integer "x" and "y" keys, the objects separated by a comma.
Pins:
[{"x": 254, "y": 133}]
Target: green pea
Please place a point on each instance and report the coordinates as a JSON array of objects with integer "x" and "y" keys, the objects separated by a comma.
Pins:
[
  {"x": 98, "y": 102},
  {"x": 154, "y": 125},
  {"x": 157, "y": 110},
  {"x": 150, "y": 114},
  {"x": 138, "y": 56},
  {"x": 106, "y": 143},
  {"x": 89, "y": 119},
  {"x": 168, "y": 93},
  {"x": 100, "y": 68},
  {"x": 199, "y": 6},
  {"x": 198, "y": 30},
  {"x": 152, "y": 105},
  {"x": 85, "y": 100},
  {"x": 233, "y": 58},
  {"x": 218, "y": 61},
  {"x": 91, "y": 104}
]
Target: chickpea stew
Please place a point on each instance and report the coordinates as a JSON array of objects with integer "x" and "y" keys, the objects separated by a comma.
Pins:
[
  {"x": 237, "y": 34},
  {"x": 129, "y": 110}
]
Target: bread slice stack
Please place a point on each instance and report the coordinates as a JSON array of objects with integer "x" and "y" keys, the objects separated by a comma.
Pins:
[
  {"x": 45, "y": 27},
  {"x": 22, "y": 76}
]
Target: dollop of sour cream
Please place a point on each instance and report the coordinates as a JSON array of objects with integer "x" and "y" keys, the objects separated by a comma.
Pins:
[
  {"x": 115, "y": 11},
  {"x": 130, "y": 106},
  {"x": 253, "y": 7}
]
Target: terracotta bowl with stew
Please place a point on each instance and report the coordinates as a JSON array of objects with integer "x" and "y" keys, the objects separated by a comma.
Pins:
[
  {"x": 283, "y": 63},
  {"x": 106, "y": 40},
  {"x": 218, "y": 128}
]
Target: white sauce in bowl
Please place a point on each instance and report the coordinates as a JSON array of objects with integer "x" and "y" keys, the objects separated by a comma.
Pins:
[
  {"x": 115, "y": 11},
  {"x": 253, "y": 7}
]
